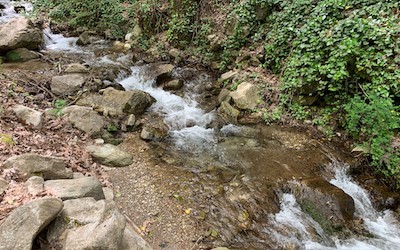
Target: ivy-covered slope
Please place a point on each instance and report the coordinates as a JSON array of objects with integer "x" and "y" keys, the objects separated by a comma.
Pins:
[{"x": 338, "y": 60}]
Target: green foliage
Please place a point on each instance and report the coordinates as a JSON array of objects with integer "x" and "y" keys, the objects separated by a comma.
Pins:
[
  {"x": 58, "y": 105},
  {"x": 373, "y": 122},
  {"x": 94, "y": 14}
]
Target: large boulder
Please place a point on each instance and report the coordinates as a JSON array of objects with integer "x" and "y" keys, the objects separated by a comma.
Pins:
[
  {"x": 32, "y": 164},
  {"x": 21, "y": 227},
  {"x": 109, "y": 154},
  {"x": 29, "y": 116},
  {"x": 75, "y": 188},
  {"x": 19, "y": 33},
  {"x": 117, "y": 102},
  {"x": 327, "y": 204},
  {"x": 246, "y": 96},
  {"x": 88, "y": 224},
  {"x": 84, "y": 119},
  {"x": 67, "y": 84}
]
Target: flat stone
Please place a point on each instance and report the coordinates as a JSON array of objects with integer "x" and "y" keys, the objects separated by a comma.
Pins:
[
  {"x": 35, "y": 185},
  {"x": 76, "y": 68},
  {"x": 21, "y": 55},
  {"x": 67, "y": 84},
  {"x": 36, "y": 165},
  {"x": 108, "y": 193},
  {"x": 89, "y": 224},
  {"x": 228, "y": 76},
  {"x": 24, "y": 223},
  {"x": 29, "y": 116},
  {"x": 246, "y": 96},
  {"x": 76, "y": 188},
  {"x": 132, "y": 240},
  {"x": 109, "y": 154},
  {"x": 85, "y": 119}
]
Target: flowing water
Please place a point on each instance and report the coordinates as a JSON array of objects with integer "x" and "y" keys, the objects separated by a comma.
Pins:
[{"x": 255, "y": 159}]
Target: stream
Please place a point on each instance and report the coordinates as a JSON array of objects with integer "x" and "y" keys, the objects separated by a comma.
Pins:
[{"x": 241, "y": 169}]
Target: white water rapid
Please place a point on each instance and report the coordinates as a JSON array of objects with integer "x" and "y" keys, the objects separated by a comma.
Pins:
[
  {"x": 292, "y": 227},
  {"x": 186, "y": 121},
  {"x": 9, "y": 12}
]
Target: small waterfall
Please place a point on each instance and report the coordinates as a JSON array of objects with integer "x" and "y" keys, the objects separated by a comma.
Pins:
[
  {"x": 8, "y": 12},
  {"x": 186, "y": 121},
  {"x": 292, "y": 227},
  {"x": 58, "y": 42}
]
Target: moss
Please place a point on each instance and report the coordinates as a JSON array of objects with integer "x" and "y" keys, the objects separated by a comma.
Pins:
[{"x": 309, "y": 208}]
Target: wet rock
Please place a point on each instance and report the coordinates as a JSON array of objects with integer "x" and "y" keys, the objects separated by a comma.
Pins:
[
  {"x": 19, "y": 33},
  {"x": 227, "y": 76},
  {"x": 75, "y": 188},
  {"x": 84, "y": 38},
  {"x": 132, "y": 241},
  {"x": 327, "y": 204},
  {"x": 35, "y": 185},
  {"x": 84, "y": 119},
  {"x": 67, "y": 84},
  {"x": 228, "y": 113},
  {"x": 36, "y": 165},
  {"x": 154, "y": 130},
  {"x": 116, "y": 102},
  {"x": 20, "y": 55},
  {"x": 173, "y": 85},
  {"x": 76, "y": 68},
  {"x": 3, "y": 186},
  {"x": 29, "y": 116},
  {"x": 159, "y": 72},
  {"x": 108, "y": 154},
  {"x": 21, "y": 227},
  {"x": 246, "y": 96},
  {"x": 88, "y": 224}
]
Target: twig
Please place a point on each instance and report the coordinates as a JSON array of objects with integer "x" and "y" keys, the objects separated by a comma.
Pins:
[
  {"x": 197, "y": 242},
  {"x": 36, "y": 84},
  {"x": 136, "y": 228}
]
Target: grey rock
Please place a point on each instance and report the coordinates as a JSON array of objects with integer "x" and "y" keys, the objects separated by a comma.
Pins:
[
  {"x": 159, "y": 72},
  {"x": 19, "y": 33},
  {"x": 175, "y": 53},
  {"x": 21, "y": 227},
  {"x": 228, "y": 113},
  {"x": 84, "y": 119},
  {"x": 173, "y": 85},
  {"x": 84, "y": 38},
  {"x": 36, "y": 165},
  {"x": 154, "y": 130},
  {"x": 29, "y": 116},
  {"x": 3, "y": 185},
  {"x": 20, "y": 55},
  {"x": 131, "y": 121},
  {"x": 224, "y": 96},
  {"x": 75, "y": 188},
  {"x": 77, "y": 175},
  {"x": 117, "y": 102},
  {"x": 246, "y": 96},
  {"x": 35, "y": 185},
  {"x": 67, "y": 84},
  {"x": 88, "y": 224},
  {"x": 133, "y": 241},
  {"x": 108, "y": 193},
  {"x": 76, "y": 68},
  {"x": 109, "y": 154}
]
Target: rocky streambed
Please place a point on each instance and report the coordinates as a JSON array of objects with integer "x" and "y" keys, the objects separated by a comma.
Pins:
[{"x": 102, "y": 148}]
